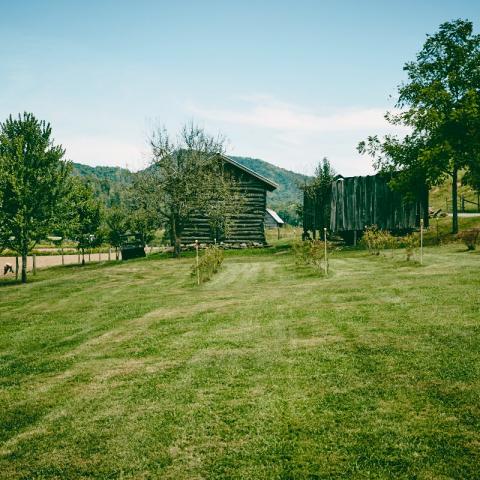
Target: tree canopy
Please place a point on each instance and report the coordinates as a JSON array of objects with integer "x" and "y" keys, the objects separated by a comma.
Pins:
[
  {"x": 189, "y": 178},
  {"x": 440, "y": 105},
  {"x": 33, "y": 181}
]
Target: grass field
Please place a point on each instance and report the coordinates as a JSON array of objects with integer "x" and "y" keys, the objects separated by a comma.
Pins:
[{"x": 267, "y": 371}]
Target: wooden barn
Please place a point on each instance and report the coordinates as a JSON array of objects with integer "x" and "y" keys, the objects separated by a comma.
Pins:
[
  {"x": 359, "y": 202},
  {"x": 249, "y": 225}
]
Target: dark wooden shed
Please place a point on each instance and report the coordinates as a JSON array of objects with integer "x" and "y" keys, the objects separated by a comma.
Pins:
[
  {"x": 248, "y": 226},
  {"x": 359, "y": 202}
]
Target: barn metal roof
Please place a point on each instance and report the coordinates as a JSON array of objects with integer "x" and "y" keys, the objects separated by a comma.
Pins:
[{"x": 275, "y": 215}]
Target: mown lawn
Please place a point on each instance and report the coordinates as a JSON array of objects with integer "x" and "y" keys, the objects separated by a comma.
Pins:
[{"x": 268, "y": 371}]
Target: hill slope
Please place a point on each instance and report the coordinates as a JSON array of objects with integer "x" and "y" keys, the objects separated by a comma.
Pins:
[{"x": 110, "y": 182}]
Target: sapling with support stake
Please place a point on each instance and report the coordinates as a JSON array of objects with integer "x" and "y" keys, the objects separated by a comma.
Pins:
[
  {"x": 326, "y": 258},
  {"x": 196, "y": 261},
  {"x": 421, "y": 241}
]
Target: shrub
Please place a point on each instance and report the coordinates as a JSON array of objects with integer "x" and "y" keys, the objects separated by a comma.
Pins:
[
  {"x": 470, "y": 237},
  {"x": 375, "y": 240},
  {"x": 310, "y": 253},
  {"x": 411, "y": 243},
  {"x": 208, "y": 264}
]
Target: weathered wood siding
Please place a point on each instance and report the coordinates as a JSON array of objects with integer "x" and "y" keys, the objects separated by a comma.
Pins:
[
  {"x": 359, "y": 202},
  {"x": 247, "y": 226}
]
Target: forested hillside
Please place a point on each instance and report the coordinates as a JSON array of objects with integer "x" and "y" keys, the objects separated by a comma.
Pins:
[{"x": 109, "y": 184}]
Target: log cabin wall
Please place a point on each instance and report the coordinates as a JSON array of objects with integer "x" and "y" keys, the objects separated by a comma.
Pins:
[{"x": 246, "y": 227}]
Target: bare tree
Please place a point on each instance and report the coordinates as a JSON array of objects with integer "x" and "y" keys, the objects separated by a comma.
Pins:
[{"x": 190, "y": 179}]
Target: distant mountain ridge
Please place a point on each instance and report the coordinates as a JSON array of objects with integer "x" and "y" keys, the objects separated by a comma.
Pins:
[{"x": 109, "y": 184}]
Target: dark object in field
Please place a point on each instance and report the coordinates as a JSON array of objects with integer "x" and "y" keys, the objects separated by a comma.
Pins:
[
  {"x": 132, "y": 246},
  {"x": 132, "y": 252},
  {"x": 359, "y": 202},
  {"x": 8, "y": 268}
]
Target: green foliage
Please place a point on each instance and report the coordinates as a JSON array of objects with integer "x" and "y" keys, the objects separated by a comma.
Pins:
[
  {"x": 310, "y": 253},
  {"x": 208, "y": 263},
  {"x": 470, "y": 237},
  {"x": 440, "y": 104},
  {"x": 116, "y": 221},
  {"x": 88, "y": 215},
  {"x": 375, "y": 240},
  {"x": 143, "y": 202},
  {"x": 109, "y": 184},
  {"x": 190, "y": 178},
  {"x": 318, "y": 192},
  {"x": 33, "y": 181},
  {"x": 411, "y": 243}
]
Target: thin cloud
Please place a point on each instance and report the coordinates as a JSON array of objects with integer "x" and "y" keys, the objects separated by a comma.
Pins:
[{"x": 265, "y": 112}]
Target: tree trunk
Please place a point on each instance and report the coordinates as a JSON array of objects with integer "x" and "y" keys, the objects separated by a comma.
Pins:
[
  {"x": 83, "y": 256},
  {"x": 176, "y": 239},
  {"x": 24, "y": 266},
  {"x": 454, "y": 200}
]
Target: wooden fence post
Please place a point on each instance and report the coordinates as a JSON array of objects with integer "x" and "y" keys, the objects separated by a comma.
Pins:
[
  {"x": 16, "y": 267},
  {"x": 326, "y": 258},
  {"x": 34, "y": 259},
  {"x": 421, "y": 241},
  {"x": 198, "y": 270},
  {"x": 109, "y": 253}
]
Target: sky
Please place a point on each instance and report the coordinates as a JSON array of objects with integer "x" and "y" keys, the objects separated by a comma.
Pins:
[{"x": 289, "y": 82}]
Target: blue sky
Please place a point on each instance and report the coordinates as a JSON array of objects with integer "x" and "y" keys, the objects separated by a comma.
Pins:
[{"x": 286, "y": 81}]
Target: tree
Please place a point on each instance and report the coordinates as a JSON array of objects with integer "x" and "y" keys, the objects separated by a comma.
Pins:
[
  {"x": 116, "y": 220},
  {"x": 33, "y": 179},
  {"x": 142, "y": 202},
  {"x": 190, "y": 178},
  {"x": 440, "y": 104},
  {"x": 87, "y": 215},
  {"x": 319, "y": 190}
]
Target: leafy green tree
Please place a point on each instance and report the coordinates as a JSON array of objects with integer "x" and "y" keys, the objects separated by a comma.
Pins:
[
  {"x": 33, "y": 177},
  {"x": 190, "y": 178},
  {"x": 440, "y": 104},
  {"x": 142, "y": 204},
  {"x": 87, "y": 218},
  {"x": 320, "y": 189},
  {"x": 116, "y": 220}
]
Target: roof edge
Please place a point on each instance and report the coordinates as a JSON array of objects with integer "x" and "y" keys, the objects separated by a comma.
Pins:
[{"x": 272, "y": 185}]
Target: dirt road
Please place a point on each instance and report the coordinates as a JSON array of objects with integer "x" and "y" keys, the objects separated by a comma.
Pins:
[{"x": 44, "y": 261}]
